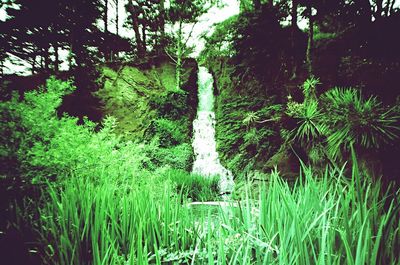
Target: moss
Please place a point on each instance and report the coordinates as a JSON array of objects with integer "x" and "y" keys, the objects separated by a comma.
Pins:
[
  {"x": 125, "y": 95},
  {"x": 144, "y": 101},
  {"x": 243, "y": 147}
]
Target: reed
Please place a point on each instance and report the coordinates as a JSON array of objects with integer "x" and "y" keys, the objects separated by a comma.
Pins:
[{"x": 332, "y": 219}]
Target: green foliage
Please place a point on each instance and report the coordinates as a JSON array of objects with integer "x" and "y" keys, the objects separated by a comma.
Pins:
[
  {"x": 340, "y": 118},
  {"x": 259, "y": 42},
  {"x": 109, "y": 210},
  {"x": 244, "y": 138},
  {"x": 309, "y": 89},
  {"x": 179, "y": 156},
  {"x": 188, "y": 11},
  {"x": 171, "y": 106},
  {"x": 116, "y": 224},
  {"x": 47, "y": 146},
  {"x": 169, "y": 132},
  {"x": 308, "y": 116},
  {"x": 119, "y": 224},
  {"x": 192, "y": 186},
  {"x": 354, "y": 120},
  {"x": 220, "y": 43},
  {"x": 252, "y": 137},
  {"x": 250, "y": 118}
]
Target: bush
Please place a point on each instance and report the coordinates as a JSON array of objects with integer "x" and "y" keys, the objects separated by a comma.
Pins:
[
  {"x": 354, "y": 120},
  {"x": 340, "y": 118},
  {"x": 171, "y": 106},
  {"x": 309, "y": 128},
  {"x": 48, "y": 146},
  {"x": 179, "y": 157},
  {"x": 169, "y": 132},
  {"x": 192, "y": 186}
]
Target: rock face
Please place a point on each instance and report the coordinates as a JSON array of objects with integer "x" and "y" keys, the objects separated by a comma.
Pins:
[
  {"x": 137, "y": 95},
  {"x": 206, "y": 156},
  {"x": 126, "y": 95}
]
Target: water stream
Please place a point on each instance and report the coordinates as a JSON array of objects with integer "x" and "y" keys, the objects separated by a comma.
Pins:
[{"x": 204, "y": 145}]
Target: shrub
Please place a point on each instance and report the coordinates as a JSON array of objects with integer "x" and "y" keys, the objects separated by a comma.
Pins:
[
  {"x": 339, "y": 119},
  {"x": 309, "y": 127},
  {"x": 354, "y": 120},
  {"x": 195, "y": 187},
  {"x": 169, "y": 132},
  {"x": 171, "y": 106},
  {"x": 179, "y": 157},
  {"x": 48, "y": 146}
]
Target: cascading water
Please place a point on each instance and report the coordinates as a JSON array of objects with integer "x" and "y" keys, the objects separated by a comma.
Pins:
[{"x": 206, "y": 156}]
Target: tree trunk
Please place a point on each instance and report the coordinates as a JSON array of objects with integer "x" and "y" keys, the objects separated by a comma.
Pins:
[
  {"x": 70, "y": 56},
  {"x": 179, "y": 54},
  {"x": 162, "y": 18},
  {"x": 144, "y": 40},
  {"x": 379, "y": 9},
  {"x": 46, "y": 59},
  {"x": 392, "y": 6},
  {"x": 2, "y": 68},
  {"x": 293, "y": 31},
  {"x": 310, "y": 43},
  {"x": 105, "y": 17},
  {"x": 135, "y": 25},
  {"x": 41, "y": 62},
  {"x": 117, "y": 17},
  {"x": 33, "y": 65},
  {"x": 56, "y": 55},
  {"x": 389, "y": 7}
]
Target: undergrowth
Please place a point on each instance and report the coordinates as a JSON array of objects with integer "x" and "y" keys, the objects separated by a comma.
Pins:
[
  {"x": 332, "y": 219},
  {"x": 107, "y": 201}
]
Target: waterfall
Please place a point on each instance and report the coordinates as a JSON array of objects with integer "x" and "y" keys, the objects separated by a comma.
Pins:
[{"x": 204, "y": 145}]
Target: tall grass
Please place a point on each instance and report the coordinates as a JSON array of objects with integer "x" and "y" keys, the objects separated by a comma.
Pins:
[{"x": 332, "y": 219}]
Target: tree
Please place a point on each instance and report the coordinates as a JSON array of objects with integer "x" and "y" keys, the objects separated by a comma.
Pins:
[
  {"x": 134, "y": 11},
  {"x": 184, "y": 12},
  {"x": 310, "y": 42},
  {"x": 28, "y": 31},
  {"x": 293, "y": 30},
  {"x": 144, "y": 18},
  {"x": 116, "y": 2},
  {"x": 34, "y": 37}
]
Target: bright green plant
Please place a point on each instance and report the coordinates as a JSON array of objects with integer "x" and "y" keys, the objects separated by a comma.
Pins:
[
  {"x": 366, "y": 123},
  {"x": 309, "y": 89},
  {"x": 327, "y": 220},
  {"x": 194, "y": 187},
  {"x": 47, "y": 146},
  {"x": 308, "y": 116},
  {"x": 169, "y": 132},
  {"x": 252, "y": 138},
  {"x": 178, "y": 157},
  {"x": 250, "y": 118},
  {"x": 309, "y": 126}
]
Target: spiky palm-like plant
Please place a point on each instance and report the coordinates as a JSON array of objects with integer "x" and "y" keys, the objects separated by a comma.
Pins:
[
  {"x": 309, "y": 126},
  {"x": 309, "y": 89},
  {"x": 354, "y": 120}
]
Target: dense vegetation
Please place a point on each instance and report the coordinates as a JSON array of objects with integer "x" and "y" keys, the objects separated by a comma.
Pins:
[
  {"x": 95, "y": 162},
  {"x": 280, "y": 88}
]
